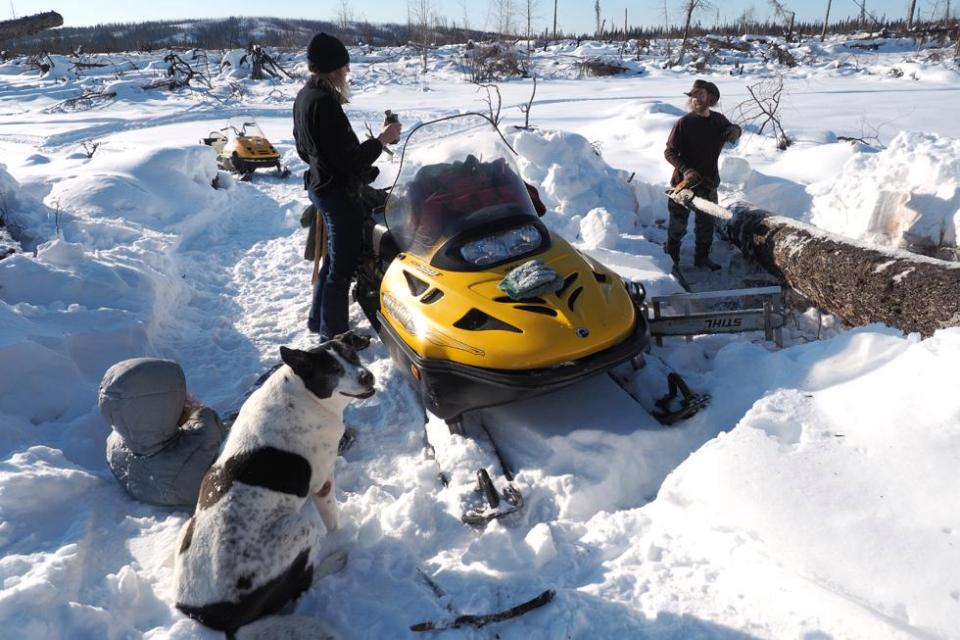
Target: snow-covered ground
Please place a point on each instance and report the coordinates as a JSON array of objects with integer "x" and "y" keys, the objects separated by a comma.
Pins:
[{"x": 815, "y": 498}]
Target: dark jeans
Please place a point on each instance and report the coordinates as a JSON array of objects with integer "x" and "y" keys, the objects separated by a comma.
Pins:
[
  {"x": 702, "y": 224},
  {"x": 343, "y": 218}
]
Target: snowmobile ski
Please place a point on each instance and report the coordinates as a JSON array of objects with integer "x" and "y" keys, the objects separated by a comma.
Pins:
[
  {"x": 473, "y": 471},
  {"x": 665, "y": 410}
]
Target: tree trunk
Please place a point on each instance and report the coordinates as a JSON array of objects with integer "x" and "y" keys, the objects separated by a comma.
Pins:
[
  {"x": 858, "y": 283},
  {"x": 691, "y": 5},
  {"x": 826, "y": 21},
  {"x": 29, "y": 25},
  {"x": 555, "y": 19},
  {"x": 913, "y": 5}
]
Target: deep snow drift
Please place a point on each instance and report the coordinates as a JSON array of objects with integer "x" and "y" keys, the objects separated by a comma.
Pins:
[{"x": 816, "y": 496}]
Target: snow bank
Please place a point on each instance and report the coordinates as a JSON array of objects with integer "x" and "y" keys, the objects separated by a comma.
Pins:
[
  {"x": 154, "y": 188},
  {"x": 907, "y": 194},
  {"x": 574, "y": 180},
  {"x": 833, "y": 487}
]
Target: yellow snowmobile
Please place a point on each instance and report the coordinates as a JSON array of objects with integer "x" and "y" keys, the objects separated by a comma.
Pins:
[
  {"x": 477, "y": 301},
  {"x": 242, "y": 148}
]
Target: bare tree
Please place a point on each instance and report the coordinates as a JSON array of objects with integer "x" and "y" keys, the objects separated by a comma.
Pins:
[
  {"x": 525, "y": 108},
  {"x": 530, "y": 8},
  {"x": 862, "y": 4},
  {"x": 504, "y": 12},
  {"x": 745, "y": 20},
  {"x": 596, "y": 10},
  {"x": 913, "y": 6},
  {"x": 494, "y": 113},
  {"x": 344, "y": 16},
  {"x": 785, "y": 14},
  {"x": 690, "y": 6},
  {"x": 555, "y": 2},
  {"x": 422, "y": 18},
  {"x": 764, "y": 107},
  {"x": 826, "y": 21}
]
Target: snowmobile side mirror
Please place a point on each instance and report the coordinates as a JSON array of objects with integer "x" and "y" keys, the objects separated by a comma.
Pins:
[{"x": 636, "y": 290}]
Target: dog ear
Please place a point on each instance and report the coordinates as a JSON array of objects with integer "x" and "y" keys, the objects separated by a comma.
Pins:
[
  {"x": 297, "y": 360},
  {"x": 356, "y": 341}
]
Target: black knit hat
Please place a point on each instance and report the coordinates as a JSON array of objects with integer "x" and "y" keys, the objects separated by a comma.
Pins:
[
  {"x": 325, "y": 54},
  {"x": 709, "y": 87}
]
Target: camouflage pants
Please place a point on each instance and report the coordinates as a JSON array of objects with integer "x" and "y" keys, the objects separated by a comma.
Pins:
[{"x": 702, "y": 224}]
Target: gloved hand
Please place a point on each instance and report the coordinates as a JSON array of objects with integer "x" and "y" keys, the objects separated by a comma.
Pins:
[
  {"x": 732, "y": 133},
  {"x": 692, "y": 176}
]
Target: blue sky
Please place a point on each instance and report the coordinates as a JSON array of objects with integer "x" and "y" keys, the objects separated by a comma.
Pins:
[{"x": 574, "y": 15}]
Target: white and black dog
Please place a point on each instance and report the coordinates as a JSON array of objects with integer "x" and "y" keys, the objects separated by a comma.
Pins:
[{"x": 250, "y": 546}]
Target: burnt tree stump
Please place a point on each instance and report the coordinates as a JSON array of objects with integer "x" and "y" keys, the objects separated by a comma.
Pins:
[{"x": 855, "y": 281}]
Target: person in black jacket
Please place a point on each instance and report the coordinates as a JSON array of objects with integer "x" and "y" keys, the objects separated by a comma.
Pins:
[
  {"x": 339, "y": 166},
  {"x": 693, "y": 148}
]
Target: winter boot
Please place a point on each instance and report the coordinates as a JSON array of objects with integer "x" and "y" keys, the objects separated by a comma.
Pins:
[
  {"x": 672, "y": 249},
  {"x": 702, "y": 261}
]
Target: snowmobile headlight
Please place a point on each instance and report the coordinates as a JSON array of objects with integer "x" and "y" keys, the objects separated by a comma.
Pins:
[{"x": 502, "y": 246}]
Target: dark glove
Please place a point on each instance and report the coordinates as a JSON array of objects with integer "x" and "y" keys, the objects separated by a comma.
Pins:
[
  {"x": 370, "y": 174},
  {"x": 731, "y": 133},
  {"x": 373, "y": 200},
  {"x": 692, "y": 177}
]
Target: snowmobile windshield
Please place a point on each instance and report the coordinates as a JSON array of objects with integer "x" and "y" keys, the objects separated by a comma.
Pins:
[
  {"x": 459, "y": 193},
  {"x": 243, "y": 128}
]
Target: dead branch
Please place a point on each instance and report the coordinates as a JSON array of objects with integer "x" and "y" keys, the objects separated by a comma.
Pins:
[
  {"x": 481, "y": 620},
  {"x": 262, "y": 62},
  {"x": 90, "y": 148},
  {"x": 84, "y": 102},
  {"x": 525, "y": 108},
  {"x": 764, "y": 107},
  {"x": 495, "y": 116}
]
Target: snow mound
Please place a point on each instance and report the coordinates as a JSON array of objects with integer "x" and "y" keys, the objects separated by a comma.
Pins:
[
  {"x": 598, "y": 230},
  {"x": 905, "y": 195},
  {"x": 155, "y": 188},
  {"x": 755, "y": 513},
  {"x": 574, "y": 180},
  {"x": 235, "y": 64}
]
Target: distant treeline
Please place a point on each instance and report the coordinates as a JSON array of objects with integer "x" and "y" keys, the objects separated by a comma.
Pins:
[
  {"x": 221, "y": 34},
  {"x": 238, "y": 32}
]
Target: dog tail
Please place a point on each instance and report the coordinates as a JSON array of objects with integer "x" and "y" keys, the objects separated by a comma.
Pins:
[{"x": 287, "y": 628}]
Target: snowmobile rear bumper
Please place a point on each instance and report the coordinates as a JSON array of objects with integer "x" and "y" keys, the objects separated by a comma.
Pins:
[
  {"x": 449, "y": 389},
  {"x": 250, "y": 164}
]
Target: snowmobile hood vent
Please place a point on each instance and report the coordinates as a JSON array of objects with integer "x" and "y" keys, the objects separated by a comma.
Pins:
[
  {"x": 476, "y": 320},
  {"x": 569, "y": 280},
  {"x": 432, "y": 297},
  {"x": 417, "y": 286}
]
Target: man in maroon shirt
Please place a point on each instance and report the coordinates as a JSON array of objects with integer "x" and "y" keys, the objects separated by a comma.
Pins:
[{"x": 693, "y": 148}]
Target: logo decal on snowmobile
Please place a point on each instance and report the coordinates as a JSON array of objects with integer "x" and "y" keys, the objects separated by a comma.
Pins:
[{"x": 582, "y": 332}]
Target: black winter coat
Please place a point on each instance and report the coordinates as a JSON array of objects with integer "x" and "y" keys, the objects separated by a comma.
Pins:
[{"x": 326, "y": 141}]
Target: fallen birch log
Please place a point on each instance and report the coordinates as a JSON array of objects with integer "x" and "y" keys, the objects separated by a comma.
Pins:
[
  {"x": 29, "y": 25},
  {"x": 857, "y": 282}
]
